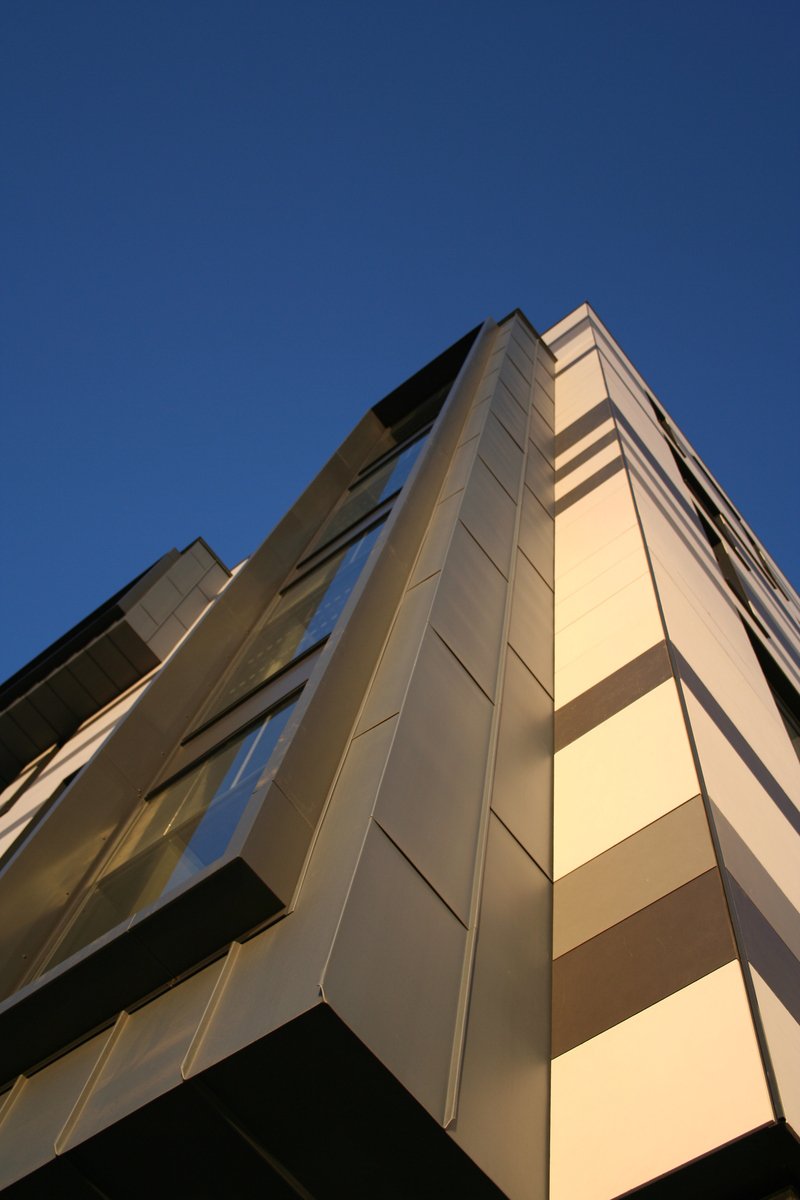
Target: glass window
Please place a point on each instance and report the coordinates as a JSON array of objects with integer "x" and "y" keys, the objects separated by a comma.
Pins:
[
  {"x": 182, "y": 829},
  {"x": 304, "y": 615},
  {"x": 373, "y": 489}
]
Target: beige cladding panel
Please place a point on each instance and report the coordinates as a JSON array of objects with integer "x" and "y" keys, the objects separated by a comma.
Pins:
[
  {"x": 587, "y": 530},
  {"x": 522, "y": 790},
  {"x": 395, "y": 971},
  {"x": 578, "y": 389},
  {"x": 432, "y": 790},
  {"x": 783, "y": 1039},
  {"x": 503, "y": 1100},
  {"x": 510, "y": 414},
  {"x": 539, "y": 478},
  {"x": 501, "y": 454},
  {"x": 437, "y": 538},
  {"x": 668, "y": 1085},
  {"x": 630, "y": 770}
]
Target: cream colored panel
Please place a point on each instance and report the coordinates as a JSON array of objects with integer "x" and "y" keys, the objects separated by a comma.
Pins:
[
  {"x": 536, "y": 535},
  {"x": 567, "y": 456},
  {"x": 747, "y": 806},
  {"x": 37, "y": 1109},
  {"x": 607, "y": 455},
  {"x": 568, "y": 327},
  {"x": 607, "y": 637},
  {"x": 783, "y": 1039},
  {"x": 618, "y": 575},
  {"x": 394, "y": 974},
  {"x": 510, "y": 414},
  {"x": 676, "y": 1081},
  {"x": 475, "y": 422},
  {"x": 620, "y": 776},
  {"x": 276, "y": 975},
  {"x": 389, "y": 684},
  {"x": 577, "y": 390},
  {"x": 584, "y": 530},
  {"x": 502, "y": 455},
  {"x": 604, "y": 557}
]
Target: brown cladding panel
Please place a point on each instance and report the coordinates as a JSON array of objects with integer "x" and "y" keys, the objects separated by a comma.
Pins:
[{"x": 639, "y": 961}]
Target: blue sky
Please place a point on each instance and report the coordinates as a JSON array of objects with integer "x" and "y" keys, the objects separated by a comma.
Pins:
[{"x": 229, "y": 228}]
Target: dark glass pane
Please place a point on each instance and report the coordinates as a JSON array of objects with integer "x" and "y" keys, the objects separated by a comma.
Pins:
[
  {"x": 304, "y": 615},
  {"x": 371, "y": 491}
]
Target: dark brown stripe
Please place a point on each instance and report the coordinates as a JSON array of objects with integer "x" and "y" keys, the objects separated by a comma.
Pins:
[
  {"x": 612, "y": 694},
  {"x": 583, "y": 489},
  {"x": 767, "y": 951},
  {"x": 606, "y": 439},
  {"x": 584, "y": 425},
  {"x": 638, "y": 962}
]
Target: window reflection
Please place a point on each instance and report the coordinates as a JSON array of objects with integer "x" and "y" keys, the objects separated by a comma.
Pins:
[
  {"x": 373, "y": 489},
  {"x": 304, "y": 615},
  {"x": 183, "y": 829}
]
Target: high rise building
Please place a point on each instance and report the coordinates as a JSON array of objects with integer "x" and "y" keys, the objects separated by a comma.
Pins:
[{"x": 448, "y": 847}]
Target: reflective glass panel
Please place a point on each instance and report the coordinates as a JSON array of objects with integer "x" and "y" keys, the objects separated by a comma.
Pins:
[
  {"x": 373, "y": 489},
  {"x": 183, "y": 829},
  {"x": 304, "y": 615}
]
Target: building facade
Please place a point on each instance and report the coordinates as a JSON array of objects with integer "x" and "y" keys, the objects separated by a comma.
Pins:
[{"x": 449, "y": 846}]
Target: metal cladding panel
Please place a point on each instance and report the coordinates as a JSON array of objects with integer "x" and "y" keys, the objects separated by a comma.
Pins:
[
  {"x": 489, "y": 514},
  {"x": 395, "y": 971},
  {"x": 522, "y": 791},
  {"x": 277, "y": 974},
  {"x": 37, "y": 1109},
  {"x": 394, "y": 670},
  {"x": 504, "y": 1094},
  {"x": 501, "y": 454},
  {"x": 469, "y": 608},
  {"x": 432, "y": 790},
  {"x": 437, "y": 538},
  {"x": 142, "y": 1059},
  {"x": 783, "y": 1036},
  {"x": 531, "y": 632},
  {"x": 511, "y": 415},
  {"x": 536, "y": 536}
]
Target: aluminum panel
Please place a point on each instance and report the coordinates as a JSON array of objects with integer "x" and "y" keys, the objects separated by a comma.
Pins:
[
  {"x": 469, "y": 608},
  {"x": 522, "y": 790},
  {"x": 437, "y": 539},
  {"x": 501, "y": 454},
  {"x": 390, "y": 682},
  {"x": 537, "y": 536},
  {"x": 38, "y": 1108},
  {"x": 489, "y": 514},
  {"x": 511, "y": 416},
  {"x": 503, "y": 1103},
  {"x": 431, "y": 795},
  {"x": 531, "y": 631},
  {"x": 540, "y": 479},
  {"x": 143, "y": 1059},
  {"x": 783, "y": 1038},
  {"x": 395, "y": 971}
]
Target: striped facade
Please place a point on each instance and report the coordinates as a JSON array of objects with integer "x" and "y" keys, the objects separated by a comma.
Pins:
[{"x": 447, "y": 847}]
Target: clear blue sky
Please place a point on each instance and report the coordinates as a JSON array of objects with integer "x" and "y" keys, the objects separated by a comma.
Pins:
[{"x": 229, "y": 228}]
